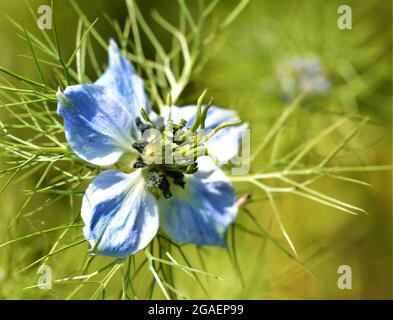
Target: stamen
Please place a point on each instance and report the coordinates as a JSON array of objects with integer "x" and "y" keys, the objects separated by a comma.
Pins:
[
  {"x": 178, "y": 178},
  {"x": 155, "y": 180},
  {"x": 192, "y": 168},
  {"x": 139, "y": 146},
  {"x": 177, "y": 127},
  {"x": 204, "y": 112},
  {"x": 142, "y": 127},
  {"x": 139, "y": 163},
  {"x": 186, "y": 147}
]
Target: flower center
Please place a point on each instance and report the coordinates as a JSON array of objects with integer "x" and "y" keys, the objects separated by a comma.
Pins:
[{"x": 168, "y": 151}]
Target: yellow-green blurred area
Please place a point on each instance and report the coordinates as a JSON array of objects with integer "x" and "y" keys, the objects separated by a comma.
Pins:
[{"x": 241, "y": 73}]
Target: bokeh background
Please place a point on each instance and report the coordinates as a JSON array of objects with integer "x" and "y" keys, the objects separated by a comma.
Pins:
[{"x": 241, "y": 74}]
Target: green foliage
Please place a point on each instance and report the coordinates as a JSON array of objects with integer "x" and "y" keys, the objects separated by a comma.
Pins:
[{"x": 285, "y": 160}]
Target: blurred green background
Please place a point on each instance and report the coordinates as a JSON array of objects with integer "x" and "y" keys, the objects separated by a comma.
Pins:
[{"x": 240, "y": 73}]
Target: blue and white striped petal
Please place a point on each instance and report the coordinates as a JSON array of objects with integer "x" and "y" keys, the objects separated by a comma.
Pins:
[
  {"x": 226, "y": 143},
  {"x": 202, "y": 212},
  {"x": 120, "y": 77},
  {"x": 120, "y": 216},
  {"x": 98, "y": 126}
]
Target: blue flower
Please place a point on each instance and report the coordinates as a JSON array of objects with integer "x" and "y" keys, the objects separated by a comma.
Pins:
[
  {"x": 302, "y": 75},
  {"x": 123, "y": 210}
]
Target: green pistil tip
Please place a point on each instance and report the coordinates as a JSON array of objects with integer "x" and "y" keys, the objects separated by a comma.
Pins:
[{"x": 198, "y": 118}]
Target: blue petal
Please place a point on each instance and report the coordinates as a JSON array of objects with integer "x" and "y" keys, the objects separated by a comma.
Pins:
[
  {"x": 178, "y": 113},
  {"x": 120, "y": 216},
  {"x": 120, "y": 78},
  {"x": 98, "y": 127},
  {"x": 225, "y": 144},
  {"x": 202, "y": 212}
]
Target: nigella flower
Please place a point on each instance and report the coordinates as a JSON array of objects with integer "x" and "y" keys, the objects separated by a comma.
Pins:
[
  {"x": 302, "y": 75},
  {"x": 191, "y": 202}
]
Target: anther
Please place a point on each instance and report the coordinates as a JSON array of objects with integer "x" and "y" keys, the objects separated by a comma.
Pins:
[
  {"x": 139, "y": 146},
  {"x": 142, "y": 127},
  {"x": 139, "y": 163}
]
